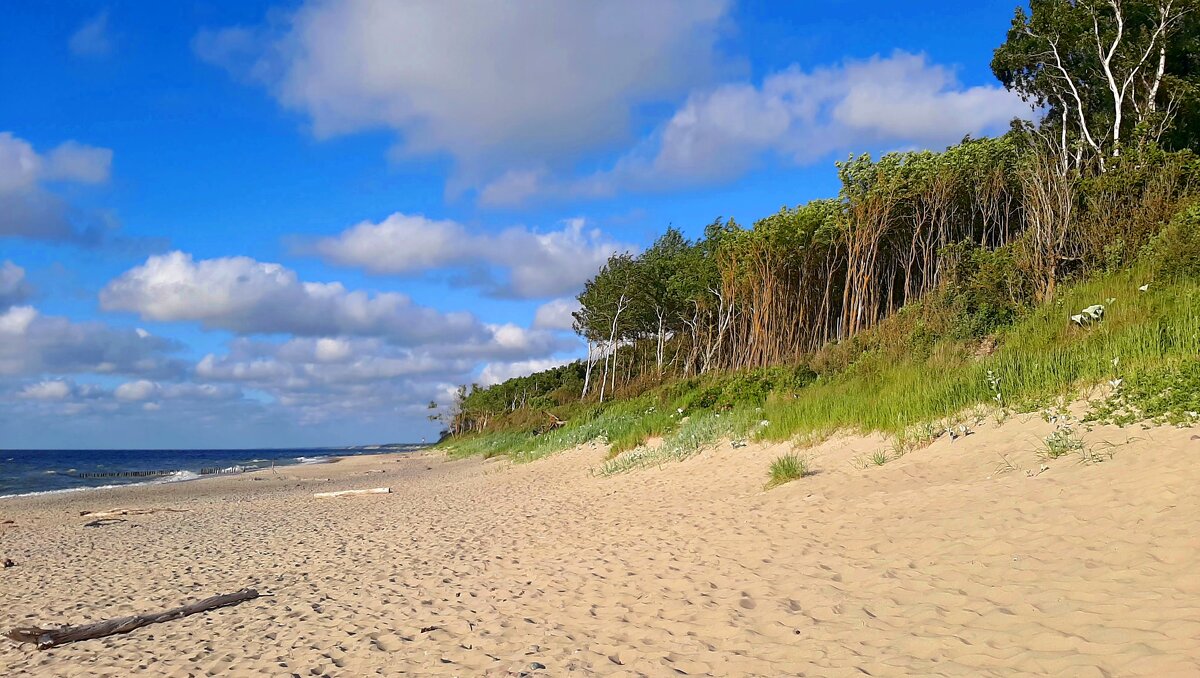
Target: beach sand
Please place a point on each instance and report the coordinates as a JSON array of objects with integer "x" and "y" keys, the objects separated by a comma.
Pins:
[{"x": 933, "y": 564}]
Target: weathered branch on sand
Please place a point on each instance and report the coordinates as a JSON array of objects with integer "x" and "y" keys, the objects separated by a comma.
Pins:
[
  {"x": 346, "y": 493},
  {"x": 103, "y": 522},
  {"x": 48, "y": 638},
  {"x": 128, "y": 512}
]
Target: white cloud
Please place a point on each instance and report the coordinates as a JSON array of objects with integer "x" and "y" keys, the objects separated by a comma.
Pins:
[
  {"x": 246, "y": 296},
  {"x": 536, "y": 264},
  {"x": 139, "y": 390},
  {"x": 13, "y": 288},
  {"x": 48, "y": 390},
  {"x": 64, "y": 396},
  {"x": 29, "y": 209},
  {"x": 92, "y": 38},
  {"x": 489, "y": 83},
  {"x": 899, "y": 101},
  {"x": 33, "y": 344},
  {"x": 556, "y": 314}
]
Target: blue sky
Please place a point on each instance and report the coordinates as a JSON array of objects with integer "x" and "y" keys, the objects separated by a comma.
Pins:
[{"x": 272, "y": 224}]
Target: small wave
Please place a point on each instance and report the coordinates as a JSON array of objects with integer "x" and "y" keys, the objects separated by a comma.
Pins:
[
  {"x": 314, "y": 460},
  {"x": 176, "y": 477},
  {"x": 67, "y": 490}
]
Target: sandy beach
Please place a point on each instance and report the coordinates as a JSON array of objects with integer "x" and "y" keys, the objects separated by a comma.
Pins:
[{"x": 937, "y": 563}]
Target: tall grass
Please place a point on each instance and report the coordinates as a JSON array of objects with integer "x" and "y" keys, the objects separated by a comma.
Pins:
[{"x": 1043, "y": 356}]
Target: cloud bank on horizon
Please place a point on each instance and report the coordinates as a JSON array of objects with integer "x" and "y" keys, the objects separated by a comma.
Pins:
[{"x": 354, "y": 326}]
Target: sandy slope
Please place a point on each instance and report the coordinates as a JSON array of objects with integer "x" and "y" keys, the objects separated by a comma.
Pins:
[{"x": 932, "y": 564}]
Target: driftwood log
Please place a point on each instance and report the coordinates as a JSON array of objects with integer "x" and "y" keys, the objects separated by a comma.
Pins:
[
  {"x": 112, "y": 513},
  {"x": 104, "y": 522},
  {"x": 552, "y": 422},
  {"x": 350, "y": 493},
  {"x": 48, "y": 638}
]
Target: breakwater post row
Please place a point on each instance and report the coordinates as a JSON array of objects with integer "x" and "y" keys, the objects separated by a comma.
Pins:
[{"x": 209, "y": 471}]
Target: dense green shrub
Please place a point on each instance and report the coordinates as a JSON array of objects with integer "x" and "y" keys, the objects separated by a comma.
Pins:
[{"x": 1175, "y": 253}]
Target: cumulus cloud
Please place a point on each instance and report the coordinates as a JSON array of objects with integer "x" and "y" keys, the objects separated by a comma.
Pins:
[
  {"x": 533, "y": 264},
  {"x": 489, "y": 83},
  {"x": 92, "y": 39},
  {"x": 556, "y": 314},
  {"x": 139, "y": 390},
  {"x": 246, "y": 296},
  {"x": 29, "y": 208},
  {"x": 55, "y": 389},
  {"x": 57, "y": 397},
  {"x": 33, "y": 344},
  {"x": 798, "y": 116},
  {"x": 319, "y": 378},
  {"x": 13, "y": 287},
  {"x": 304, "y": 363}
]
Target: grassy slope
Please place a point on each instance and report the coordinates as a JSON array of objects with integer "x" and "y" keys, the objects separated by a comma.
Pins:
[{"x": 1153, "y": 336}]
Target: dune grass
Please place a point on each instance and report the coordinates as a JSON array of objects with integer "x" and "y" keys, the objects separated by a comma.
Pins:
[
  {"x": 785, "y": 469},
  {"x": 1041, "y": 357}
]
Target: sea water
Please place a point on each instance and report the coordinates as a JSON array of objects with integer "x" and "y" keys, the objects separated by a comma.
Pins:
[{"x": 24, "y": 472}]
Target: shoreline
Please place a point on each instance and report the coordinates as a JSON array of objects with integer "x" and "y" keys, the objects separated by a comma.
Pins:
[
  {"x": 936, "y": 562},
  {"x": 189, "y": 475}
]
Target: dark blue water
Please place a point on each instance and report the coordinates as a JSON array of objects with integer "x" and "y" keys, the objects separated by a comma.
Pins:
[{"x": 27, "y": 471}]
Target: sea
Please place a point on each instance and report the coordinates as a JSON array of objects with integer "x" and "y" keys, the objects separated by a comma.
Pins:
[{"x": 29, "y": 472}]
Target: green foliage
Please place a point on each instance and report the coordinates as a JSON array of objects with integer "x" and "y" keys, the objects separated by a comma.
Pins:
[
  {"x": 785, "y": 469},
  {"x": 1175, "y": 253},
  {"x": 699, "y": 431},
  {"x": 985, "y": 290},
  {"x": 1061, "y": 443},
  {"x": 1167, "y": 394},
  {"x": 1044, "y": 354}
]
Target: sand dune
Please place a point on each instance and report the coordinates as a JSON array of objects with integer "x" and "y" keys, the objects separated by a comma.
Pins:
[{"x": 933, "y": 564}]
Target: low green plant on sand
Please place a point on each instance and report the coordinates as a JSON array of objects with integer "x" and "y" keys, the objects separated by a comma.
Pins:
[{"x": 785, "y": 469}]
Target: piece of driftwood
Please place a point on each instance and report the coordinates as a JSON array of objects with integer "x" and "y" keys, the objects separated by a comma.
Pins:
[
  {"x": 349, "y": 493},
  {"x": 47, "y": 638},
  {"x": 552, "y": 422},
  {"x": 112, "y": 513},
  {"x": 103, "y": 522}
]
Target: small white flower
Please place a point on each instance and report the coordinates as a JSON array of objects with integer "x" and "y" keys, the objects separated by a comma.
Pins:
[
  {"x": 1116, "y": 383},
  {"x": 1145, "y": 287}
]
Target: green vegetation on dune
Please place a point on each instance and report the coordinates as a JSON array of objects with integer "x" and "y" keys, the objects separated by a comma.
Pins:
[
  {"x": 1148, "y": 339},
  {"x": 1000, "y": 274}
]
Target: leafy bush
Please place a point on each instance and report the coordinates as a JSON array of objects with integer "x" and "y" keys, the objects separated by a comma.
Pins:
[
  {"x": 1175, "y": 253},
  {"x": 985, "y": 289}
]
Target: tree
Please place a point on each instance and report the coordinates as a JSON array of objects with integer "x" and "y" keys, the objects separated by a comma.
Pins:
[{"x": 1099, "y": 66}]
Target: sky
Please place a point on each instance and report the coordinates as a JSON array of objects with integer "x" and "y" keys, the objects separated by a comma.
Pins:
[{"x": 270, "y": 224}]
